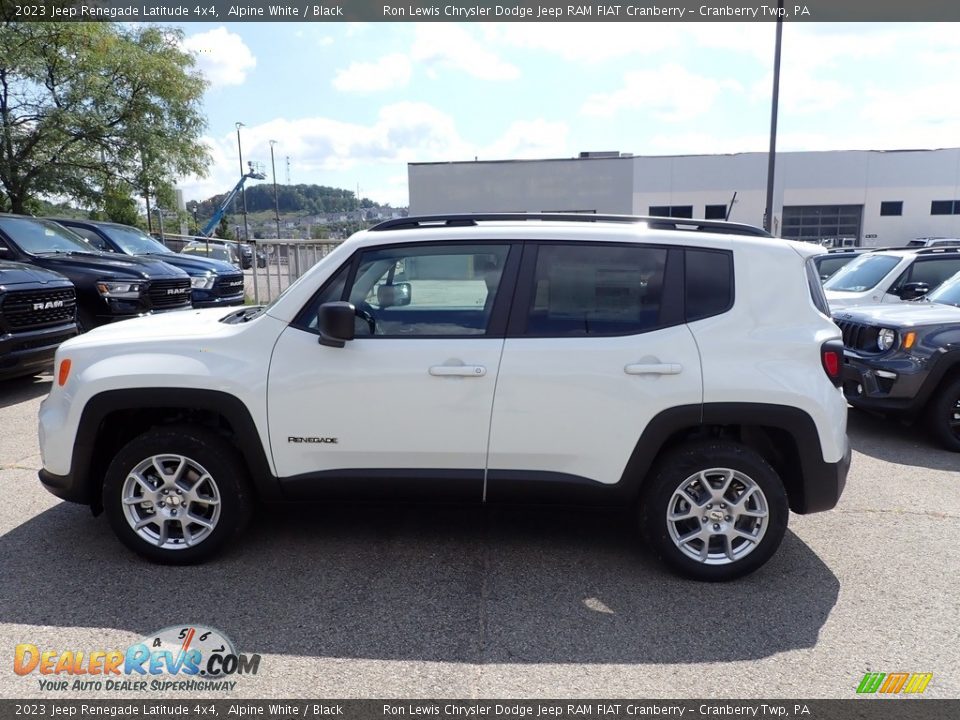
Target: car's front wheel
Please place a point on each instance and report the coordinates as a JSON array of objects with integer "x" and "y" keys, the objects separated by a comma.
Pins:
[
  {"x": 714, "y": 510},
  {"x": 176, "y": 494}
]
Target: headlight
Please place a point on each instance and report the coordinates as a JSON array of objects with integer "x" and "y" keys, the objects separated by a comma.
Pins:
[
  {"x": 885, "y": 339},
  {"x": 115, "y": 289},
  {"x": 202, "y": 282}
]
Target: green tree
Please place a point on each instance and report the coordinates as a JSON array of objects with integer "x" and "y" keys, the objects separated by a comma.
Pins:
[{"x": 88, "y": 109}]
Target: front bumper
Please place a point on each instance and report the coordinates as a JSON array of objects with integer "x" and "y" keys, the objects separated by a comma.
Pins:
[
  {"x": 29, "y": 352},
  {"x": 64, "y": 487},
  {"x": 209, "y": 300},
  {"x": 890, "y": 385}
]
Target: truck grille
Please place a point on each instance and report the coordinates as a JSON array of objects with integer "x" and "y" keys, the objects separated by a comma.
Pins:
[
  {"x": 35, "y": 309},
  {"x": 228, "y": 285},
  {"x": 166, "y": 294},
  {"x": 862, "y": 338}
]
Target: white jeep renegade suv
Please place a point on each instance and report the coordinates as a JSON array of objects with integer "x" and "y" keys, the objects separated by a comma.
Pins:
[{"x": 687, "y": 369}]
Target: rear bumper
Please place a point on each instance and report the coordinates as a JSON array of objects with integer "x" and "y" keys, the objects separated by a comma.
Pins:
[
  {"x": 29, "y": 352},
  {"x": 823, "y": 484}
]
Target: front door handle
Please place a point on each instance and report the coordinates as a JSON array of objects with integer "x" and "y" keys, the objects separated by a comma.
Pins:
[
  {"x": 653, "y": 369},
  {"x": 458, "y": 371}
]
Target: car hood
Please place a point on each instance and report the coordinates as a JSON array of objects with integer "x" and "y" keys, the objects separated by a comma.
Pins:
[
  {"x": 194, "y": 265},
  {"x": 177, "y": 325},
  {"x": 907, "y": 314},
  {"x": 110, "y": 266},
  {"x": 14, "y": 273}
]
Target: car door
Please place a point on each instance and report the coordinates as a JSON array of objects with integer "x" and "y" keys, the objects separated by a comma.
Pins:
[
  {"x": 931, "y": 271},
  {"x": 596, "y": 348},
  {"x": 404, "y": 408}
]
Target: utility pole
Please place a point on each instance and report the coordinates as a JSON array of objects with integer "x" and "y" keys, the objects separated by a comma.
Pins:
[
  {"x": 243, "y": 195},
  {"x": 276, "y": 202},
  {"x": 772, "y": 156},
  {"x": 288, "y": 169}
]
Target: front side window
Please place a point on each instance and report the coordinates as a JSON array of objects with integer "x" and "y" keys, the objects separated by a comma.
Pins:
[
  {"x": 91, "y": 237},
  {"x": 930, "y": 272},
  {"x": 596, "y": 290},
  {"x": 863, "y": 274},
  {"x": 427, "y": 291}
]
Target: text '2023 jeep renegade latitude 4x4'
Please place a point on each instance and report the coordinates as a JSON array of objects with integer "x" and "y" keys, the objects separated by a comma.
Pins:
[{"x": 691, "y": 374}]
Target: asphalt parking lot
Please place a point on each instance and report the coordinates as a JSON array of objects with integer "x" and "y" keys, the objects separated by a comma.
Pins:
[{"x": 479, "y": 603}]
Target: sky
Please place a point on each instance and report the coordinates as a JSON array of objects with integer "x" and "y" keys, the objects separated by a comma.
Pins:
[{"x": 350, "y": 104}]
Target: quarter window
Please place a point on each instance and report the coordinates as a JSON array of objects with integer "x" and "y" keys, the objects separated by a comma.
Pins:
[
  {"x": 709, "y": 283},
  {"x": 596, "y": 290}
]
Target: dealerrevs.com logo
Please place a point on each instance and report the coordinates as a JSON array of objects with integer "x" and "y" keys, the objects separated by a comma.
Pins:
[{"x": 185, "y": 658}]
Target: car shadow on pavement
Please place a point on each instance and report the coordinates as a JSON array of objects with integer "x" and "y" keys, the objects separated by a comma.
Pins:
[
  {"x": 18, "y": 390},
  {"x": 892, "y": 441},
  {"x": 445, "y": 584}
]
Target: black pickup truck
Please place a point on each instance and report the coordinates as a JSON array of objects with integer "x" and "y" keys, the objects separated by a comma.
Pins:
[
  {"x": 904, "y": 359},
  {"x": 109, "y": 287},
  {"x": 38, "y": 311}
]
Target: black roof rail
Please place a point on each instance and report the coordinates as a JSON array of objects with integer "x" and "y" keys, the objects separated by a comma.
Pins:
[
  {"x": 655, "y": 223},
  {"x": 937, "y": 250}
]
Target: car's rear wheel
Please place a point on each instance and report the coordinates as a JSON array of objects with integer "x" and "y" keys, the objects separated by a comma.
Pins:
[
  {"x": 943, "y": 415},
  {"x": 714, "y": 510},
  {"x": 175, "y": 495}
]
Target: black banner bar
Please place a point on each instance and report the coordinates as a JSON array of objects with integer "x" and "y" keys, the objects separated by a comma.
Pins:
[
  {"x": 477, "y": 11},
  {"x": 893, "y": 708}
]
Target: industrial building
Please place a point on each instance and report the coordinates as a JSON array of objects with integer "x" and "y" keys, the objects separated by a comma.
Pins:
[{"x": 851, "y": 197}]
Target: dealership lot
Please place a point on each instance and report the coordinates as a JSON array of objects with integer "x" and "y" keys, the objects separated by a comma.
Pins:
[{"x": 472, "y": 602}]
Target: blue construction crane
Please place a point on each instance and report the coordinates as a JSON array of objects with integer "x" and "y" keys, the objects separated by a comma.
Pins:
[{"x": 253, "y": 174}]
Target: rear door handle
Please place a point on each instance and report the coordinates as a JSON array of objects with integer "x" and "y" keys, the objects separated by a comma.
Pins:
[
  {"x": 458, "y": 371},
  {"x": 653, "y": 369}
]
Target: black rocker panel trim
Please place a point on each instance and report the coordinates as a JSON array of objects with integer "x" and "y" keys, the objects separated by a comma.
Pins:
[{"x": 447, "y": 485}]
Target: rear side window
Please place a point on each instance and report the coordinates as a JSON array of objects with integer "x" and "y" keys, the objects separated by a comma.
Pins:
[
  {"x": 596, "y": 290},
  {"x": 708, "y": 283}
]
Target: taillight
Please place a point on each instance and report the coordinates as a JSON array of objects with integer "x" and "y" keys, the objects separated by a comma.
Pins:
[{"x": 831, "y": 357}]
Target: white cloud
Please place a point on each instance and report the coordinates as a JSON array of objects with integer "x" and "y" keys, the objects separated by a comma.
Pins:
[
  {"x": 527, "y": 139},
  {"x": 222, "y": 56},
  {"x": 390, "y": 71},
  {"x": 669, "y": 94},
  {"x": 447, "y": 46}
]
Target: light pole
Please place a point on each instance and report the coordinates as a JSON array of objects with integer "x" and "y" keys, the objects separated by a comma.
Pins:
[
  {"x": 243, "y": 196},
  {"x": 276, "y": 202},
  {"x": 772, "y": 156},
  {"x": 246, "y": 228}
]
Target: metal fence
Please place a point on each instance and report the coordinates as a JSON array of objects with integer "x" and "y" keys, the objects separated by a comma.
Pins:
[{"x": 275, "y": 263}]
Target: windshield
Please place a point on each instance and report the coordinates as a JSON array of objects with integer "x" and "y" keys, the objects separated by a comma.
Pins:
[
  {"x": 948, "y": 293},
  {"x": 827, "y": 265},
  {"x": 216, "y": 252},
  {"x": 42, "y": 236},
  {"x": 134, "y": 241},
  {"x": 862, "y": 274}
]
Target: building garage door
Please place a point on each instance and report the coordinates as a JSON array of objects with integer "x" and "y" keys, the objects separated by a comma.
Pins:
[{"x": 815, "y": 223}]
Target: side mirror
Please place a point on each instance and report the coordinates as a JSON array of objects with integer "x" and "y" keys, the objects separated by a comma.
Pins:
[
  {"x": 398, "y": 294},
  {"x": 913, "y": 290},
  {"x": 335, "y": 323}
]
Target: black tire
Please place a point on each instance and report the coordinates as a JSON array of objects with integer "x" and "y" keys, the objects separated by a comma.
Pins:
[
  {"x": 943, "y": 409},
  {"x": 676, "y": 469},
  {"x": 204, "y": 448}
]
